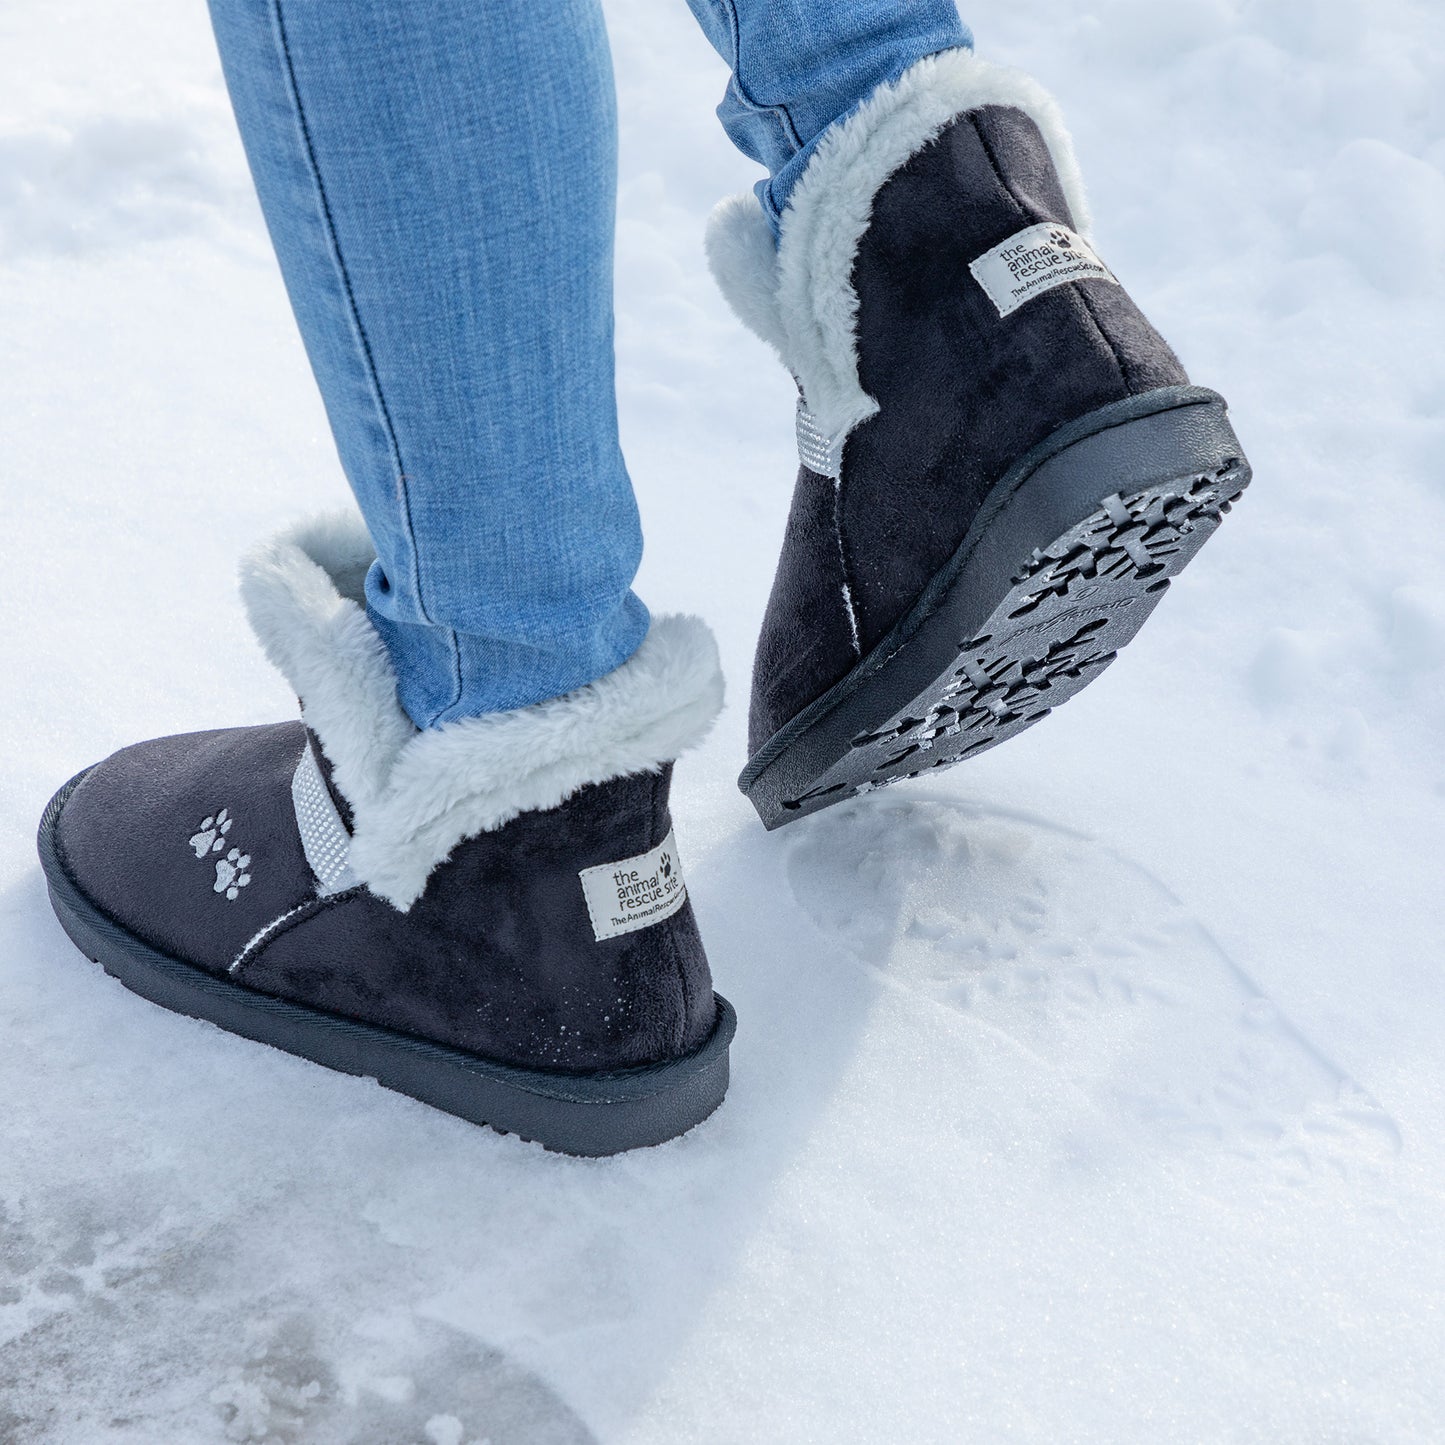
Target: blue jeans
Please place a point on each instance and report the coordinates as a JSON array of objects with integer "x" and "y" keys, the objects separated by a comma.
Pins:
[
  {"x": 438, "y": 178},
  {"x": 799, "y": 65}
]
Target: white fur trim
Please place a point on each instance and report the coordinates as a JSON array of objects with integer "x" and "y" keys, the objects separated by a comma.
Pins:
[
  {"x": 799, "y": 297},
  {"x": 743, "y": 258},
  {"x": 415, "y": 795}
]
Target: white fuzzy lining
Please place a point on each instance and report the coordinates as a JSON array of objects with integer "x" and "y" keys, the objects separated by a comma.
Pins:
[
  {"x": 798, "y": 296},
  {"x": 415, "y": 795}
]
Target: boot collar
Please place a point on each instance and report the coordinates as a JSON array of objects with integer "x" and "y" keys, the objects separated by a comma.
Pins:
[
  {"x": 798, "y": 295},
  {"x": 415, "y": 794}
]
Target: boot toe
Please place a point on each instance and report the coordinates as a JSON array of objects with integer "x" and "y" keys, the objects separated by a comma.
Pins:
[{"x": 190, "y": 842}]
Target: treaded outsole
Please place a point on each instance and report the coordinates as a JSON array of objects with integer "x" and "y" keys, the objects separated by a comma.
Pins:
[
  {"x": 1028, "y": 612},
  {"x": 582, "y": 1114}
]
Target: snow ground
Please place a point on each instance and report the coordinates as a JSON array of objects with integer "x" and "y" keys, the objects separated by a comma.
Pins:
[{"x": 1091, "y": 1094}]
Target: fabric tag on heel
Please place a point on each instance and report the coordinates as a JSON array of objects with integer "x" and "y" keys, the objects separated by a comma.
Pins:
[
  {"x": 635, "y": 892},
  {"x": 1036, "y": 260}
]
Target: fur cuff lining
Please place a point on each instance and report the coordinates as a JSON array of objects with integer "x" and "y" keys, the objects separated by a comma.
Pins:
[
  {"x": 799, "y": 297},
  {"x": 416, "y": 794}
]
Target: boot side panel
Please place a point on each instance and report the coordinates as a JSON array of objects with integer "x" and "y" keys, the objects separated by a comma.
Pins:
[
  {"x": 807, "y": 640},
  {"x": 500, "y": 955}
]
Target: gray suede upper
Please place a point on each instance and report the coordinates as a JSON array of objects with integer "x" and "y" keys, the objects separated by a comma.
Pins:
[
  {"x": 191, "y": 843},
  {"x": 963, "y": 393}
]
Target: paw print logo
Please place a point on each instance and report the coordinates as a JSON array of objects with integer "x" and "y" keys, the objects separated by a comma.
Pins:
[
  {"x": 210, "y": 837},
  {"x": 231, "y": 875},
  {"x": 1061, "y": 239},
  {"x": 665, "y": 865}
]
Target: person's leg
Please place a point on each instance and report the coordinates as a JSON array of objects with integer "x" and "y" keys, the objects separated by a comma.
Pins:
[
  {"x": 799, "y": 66},
  {"x": 438, "y": 177},
  {"x": 488, "y": 915}
]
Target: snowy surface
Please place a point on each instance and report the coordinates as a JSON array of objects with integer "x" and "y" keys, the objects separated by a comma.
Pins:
[{"x": 1092, "y": 1094}]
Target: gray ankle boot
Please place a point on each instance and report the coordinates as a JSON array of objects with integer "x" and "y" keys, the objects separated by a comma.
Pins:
[
  {"x": 1003, "y": 464},
  {"x": 490, "y": 916}
]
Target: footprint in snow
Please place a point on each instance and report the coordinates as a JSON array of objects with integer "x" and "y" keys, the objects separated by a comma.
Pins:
[{"x": 1087, "y": 961}]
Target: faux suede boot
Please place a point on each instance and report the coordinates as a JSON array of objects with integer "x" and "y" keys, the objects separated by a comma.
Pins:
[
  {"x": 489, "y": 916},
  {"x": 1003, "y": 464}
]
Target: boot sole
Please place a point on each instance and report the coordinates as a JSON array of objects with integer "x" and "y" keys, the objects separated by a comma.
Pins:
[
  {"x": 1067, "y": 558},
  {"x": 586, "y": 1114}
]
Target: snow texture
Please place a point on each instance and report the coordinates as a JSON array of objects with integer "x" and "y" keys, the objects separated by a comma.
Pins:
[{"x": 1091, "y": 1093}]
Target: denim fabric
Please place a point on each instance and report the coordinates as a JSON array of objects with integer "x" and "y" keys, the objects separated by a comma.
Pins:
[
  {"x": 799, "y": 65},
  {"x": 438, "y": 178}
]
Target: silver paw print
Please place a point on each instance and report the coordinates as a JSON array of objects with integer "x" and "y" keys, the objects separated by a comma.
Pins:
[
  {"x": 211, "y": 836},
  {"x": 231, "y": 875}
]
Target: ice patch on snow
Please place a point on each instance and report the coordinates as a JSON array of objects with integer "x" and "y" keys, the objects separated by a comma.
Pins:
[{"x": 183, "y": 1342}]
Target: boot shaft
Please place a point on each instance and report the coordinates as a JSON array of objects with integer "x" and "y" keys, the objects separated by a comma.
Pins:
[
  {"x": 963, "y": 390},
  {"x": 564, "y": 939},
  {"x": 936, "y": 298}
]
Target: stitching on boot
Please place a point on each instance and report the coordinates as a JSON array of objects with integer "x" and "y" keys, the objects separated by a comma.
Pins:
[
  {"x": 260, "y": 935},
  {"x": 659, "y": 807},
  {"x": 1120, "y": 363},
  {"x": 850, "y": 611},
  {"x": 1010, "y": 195},
  {"x": 282, "y": 924}
]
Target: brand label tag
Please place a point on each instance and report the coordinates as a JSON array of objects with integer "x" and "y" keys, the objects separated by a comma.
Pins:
[
  {"x": 1034, "y": 261},
  {"x": 634, "y": 892}
]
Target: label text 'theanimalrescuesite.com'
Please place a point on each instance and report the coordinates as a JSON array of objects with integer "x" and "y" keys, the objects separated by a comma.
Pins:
[
  {"x": 1034, "y": 261},
  {"x": 634, "y": 892}
]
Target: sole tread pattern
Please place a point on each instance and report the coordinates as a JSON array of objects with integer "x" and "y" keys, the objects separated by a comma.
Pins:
[{"x": 1071, "y": 607}]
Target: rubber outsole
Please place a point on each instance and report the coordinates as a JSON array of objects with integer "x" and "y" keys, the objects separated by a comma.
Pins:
[
  {"x": 584, "y": 1114},
  {"x": 1071, "y": 553}
]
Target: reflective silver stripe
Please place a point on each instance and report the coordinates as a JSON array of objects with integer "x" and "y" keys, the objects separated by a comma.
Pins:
[
  {"x": 817, "y": 452},
  {"x": 324, "y": 838}
]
